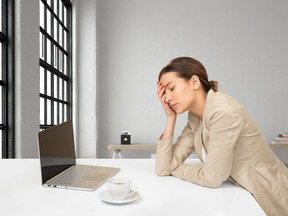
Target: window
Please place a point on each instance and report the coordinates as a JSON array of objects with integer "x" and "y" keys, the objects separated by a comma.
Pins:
[
  {"x": 7, "y": 79},
  {"x": 55, "y": 62}
]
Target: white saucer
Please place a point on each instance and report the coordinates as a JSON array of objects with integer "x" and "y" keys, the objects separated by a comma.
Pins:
[{"x": 105, "y": 196}]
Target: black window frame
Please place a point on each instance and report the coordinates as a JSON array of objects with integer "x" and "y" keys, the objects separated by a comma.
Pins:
[
  {"x": 8, "y": 80},
  {"x": 60, "y": 104}
]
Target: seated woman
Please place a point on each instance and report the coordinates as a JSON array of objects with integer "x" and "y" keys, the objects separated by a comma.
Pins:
[{"x": 223, "y": 135}]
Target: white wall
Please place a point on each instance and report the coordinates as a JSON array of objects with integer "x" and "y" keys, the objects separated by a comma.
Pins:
[{"x": 243, "y": 45}]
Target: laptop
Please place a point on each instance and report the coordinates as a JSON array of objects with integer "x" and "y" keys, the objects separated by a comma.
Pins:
[{"x": 58, "y": 161}]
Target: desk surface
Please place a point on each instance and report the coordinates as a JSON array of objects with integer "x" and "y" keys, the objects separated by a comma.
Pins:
[{"x": 21, "y": 193}]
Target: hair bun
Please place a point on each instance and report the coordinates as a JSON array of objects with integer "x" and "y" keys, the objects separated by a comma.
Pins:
[{"x": 213, "y": 85}]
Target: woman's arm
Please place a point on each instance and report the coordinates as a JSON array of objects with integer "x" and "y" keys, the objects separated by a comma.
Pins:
[
  {"x": 168, "y": 156},
  {"x": 224, "y": 130},
  {"x": 169, "y": 128},
  {"x": 166, "y": 160}
]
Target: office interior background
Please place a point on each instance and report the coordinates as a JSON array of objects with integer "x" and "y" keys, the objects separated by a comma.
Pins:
[{"x": 116, "y": 51}]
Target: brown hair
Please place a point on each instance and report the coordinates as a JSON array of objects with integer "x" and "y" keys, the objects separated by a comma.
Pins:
[{"x": 186, "y": 67}]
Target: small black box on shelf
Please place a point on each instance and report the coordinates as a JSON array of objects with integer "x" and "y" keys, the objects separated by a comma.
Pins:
[{"x": 125, "y": 139}]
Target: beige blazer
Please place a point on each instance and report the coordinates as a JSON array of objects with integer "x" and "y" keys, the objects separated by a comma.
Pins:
[{"x": 235, "y": 150}]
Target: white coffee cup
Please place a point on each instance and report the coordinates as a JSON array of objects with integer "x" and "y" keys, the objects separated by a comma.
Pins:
[{"x": 120, "y": 189}]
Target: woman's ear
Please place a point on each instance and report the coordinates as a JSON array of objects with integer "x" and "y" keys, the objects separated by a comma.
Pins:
[{"x": 195, "y": 81}]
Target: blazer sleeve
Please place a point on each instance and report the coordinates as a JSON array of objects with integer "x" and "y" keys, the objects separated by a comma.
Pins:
[
  {"x": 170, "y": 156},
  {"x": 224, "y": 128}
]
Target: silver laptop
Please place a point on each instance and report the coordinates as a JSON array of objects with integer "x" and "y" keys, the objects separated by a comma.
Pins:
[{"x": 58, "y": 161}]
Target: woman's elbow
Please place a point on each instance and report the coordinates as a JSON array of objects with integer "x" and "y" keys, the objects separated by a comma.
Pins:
[
  {"x": 163, "y": 172},
  {"x": 214, "y": 182}
]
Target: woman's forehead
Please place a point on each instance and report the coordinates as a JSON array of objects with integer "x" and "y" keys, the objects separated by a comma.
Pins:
[{"x": 170, "y": 77}]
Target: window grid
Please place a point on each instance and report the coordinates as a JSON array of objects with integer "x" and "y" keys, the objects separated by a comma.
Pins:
[
  {"x": 7, "y": 79},
  {"x": 55, "y": 62},
  {"x": 2, "y": 82}
]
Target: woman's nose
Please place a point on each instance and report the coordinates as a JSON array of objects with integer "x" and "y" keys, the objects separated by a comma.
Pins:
[{"x": 168, "y": 97}]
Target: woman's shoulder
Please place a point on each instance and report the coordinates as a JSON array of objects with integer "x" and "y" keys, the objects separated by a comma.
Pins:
[
  {"x": 217, "y": 102},
  {"x": 221, "y": 100}
]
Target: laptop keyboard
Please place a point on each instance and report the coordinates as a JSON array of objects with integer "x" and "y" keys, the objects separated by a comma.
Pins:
[{"x": 73, "y": 175}]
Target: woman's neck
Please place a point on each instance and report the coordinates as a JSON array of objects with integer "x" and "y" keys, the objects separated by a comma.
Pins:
[{"x": 197, "y": 108}]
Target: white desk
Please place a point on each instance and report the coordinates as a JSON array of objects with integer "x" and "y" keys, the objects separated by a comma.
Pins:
[{"x": 21, "y": 193}]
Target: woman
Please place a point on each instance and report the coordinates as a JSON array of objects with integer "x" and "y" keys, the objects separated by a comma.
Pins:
[{"x": 223, "y": 135}]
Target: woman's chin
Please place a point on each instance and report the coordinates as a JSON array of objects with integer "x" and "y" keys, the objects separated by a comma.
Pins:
[{"x": 179, "y": 111}]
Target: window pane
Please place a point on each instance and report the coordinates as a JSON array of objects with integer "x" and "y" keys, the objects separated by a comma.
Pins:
[
  {"x": 65, "y": 40},
  {"x": 56, "y": 57},
  {"x": 61, "y": 11},
  {"x": 60, "y": 89},
  {"x": 42, "y": 80},
  {"x": 55, "y": 86},
  {"x": 60, "y": 35},
  {"x": 48, "y": 52},
  {"x": 61, "y": 61},
  {"x": 42, "y": 108},
  {"x": 48, "y": 22},
  {"x": 55, "y": 113},
  {"x": 42, "y": 12},
  {"x": 48, "y": 83},
  {"x": 55, "y": 30},
  {"x": 65, "y": 112},
  {"x": 64, "y": 65},
  {"x": 60, "y": 113},
  {"x": 48, "y": 112},
  {"x": 65, "y": 16},
  {"x": 41, "y": 45},
  {"x": 56, "y": 7},
  {"x": 65, "y": 91}
]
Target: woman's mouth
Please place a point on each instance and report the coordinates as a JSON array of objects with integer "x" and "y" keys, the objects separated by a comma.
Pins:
[{"x": 173, "y": 106}]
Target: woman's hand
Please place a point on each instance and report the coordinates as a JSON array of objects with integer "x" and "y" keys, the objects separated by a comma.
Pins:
[{"x": 170, "y": 113}]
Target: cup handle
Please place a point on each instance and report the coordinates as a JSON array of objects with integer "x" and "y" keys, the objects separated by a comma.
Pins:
[{"x": 132, "y": 191}]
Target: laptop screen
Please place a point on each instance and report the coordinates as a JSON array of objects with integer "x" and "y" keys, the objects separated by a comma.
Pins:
[{"x": 56, "y": 149}]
